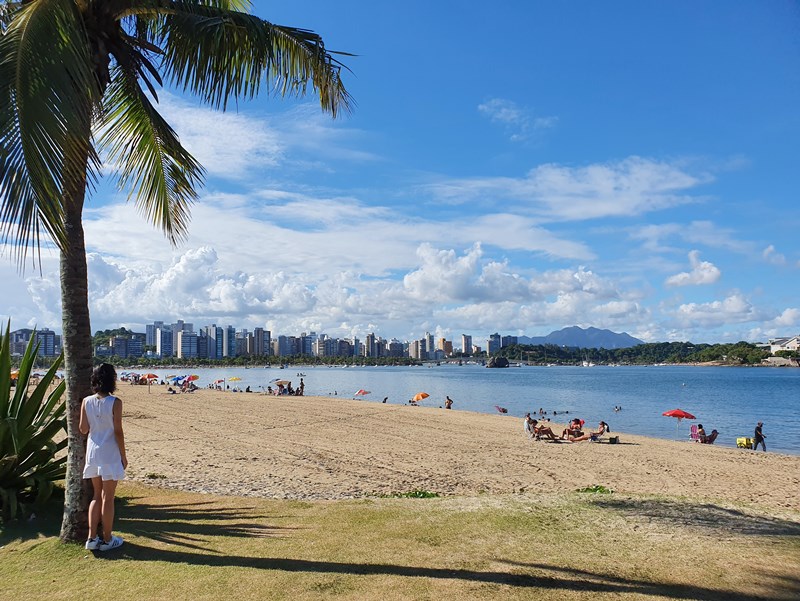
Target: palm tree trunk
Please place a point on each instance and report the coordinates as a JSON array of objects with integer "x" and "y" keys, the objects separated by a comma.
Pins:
[{"x": 77, "y": 354}]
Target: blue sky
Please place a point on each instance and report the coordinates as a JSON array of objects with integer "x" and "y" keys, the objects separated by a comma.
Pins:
[{"x": 516, "y": 167}]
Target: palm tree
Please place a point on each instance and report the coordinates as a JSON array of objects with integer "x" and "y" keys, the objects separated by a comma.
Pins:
[{"x": 78, "y": 83}]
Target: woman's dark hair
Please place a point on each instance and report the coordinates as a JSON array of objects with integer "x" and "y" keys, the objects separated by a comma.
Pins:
[
  {"x": 606, "y": 426},
  {"x": 104, "y": 378}
]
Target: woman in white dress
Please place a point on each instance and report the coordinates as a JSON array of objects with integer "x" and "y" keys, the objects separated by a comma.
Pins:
[{"x": 101, "y": 419}]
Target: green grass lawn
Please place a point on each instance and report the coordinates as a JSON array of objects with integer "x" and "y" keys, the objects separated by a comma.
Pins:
[{"x": 578, "y": 546}]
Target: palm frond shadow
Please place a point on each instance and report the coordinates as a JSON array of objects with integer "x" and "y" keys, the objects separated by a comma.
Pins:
[
  {"x": 191, "y": 524},
  {"x": 706, "y": 518}
]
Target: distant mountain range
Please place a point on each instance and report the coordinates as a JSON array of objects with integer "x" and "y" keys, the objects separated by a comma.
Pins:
[{"x": 576, "y": 337}]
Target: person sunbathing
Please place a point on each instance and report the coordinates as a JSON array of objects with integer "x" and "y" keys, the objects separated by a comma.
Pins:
[
  {"x": 710, "y": 438},
  {"x": 594, "y": 436},
  {"x": 573, "y": 430},
  {"x": 543, "y": 430},
  {"x": 701, "y": 433}
]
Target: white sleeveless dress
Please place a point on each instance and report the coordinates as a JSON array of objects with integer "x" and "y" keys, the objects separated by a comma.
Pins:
[{"x": 102, "y": 452}]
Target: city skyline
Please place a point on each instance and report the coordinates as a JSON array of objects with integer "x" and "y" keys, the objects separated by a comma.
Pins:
[{"x": 628, "y": 166}]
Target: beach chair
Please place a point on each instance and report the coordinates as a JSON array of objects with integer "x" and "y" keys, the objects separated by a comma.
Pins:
[{"x": 693, "y": 435}]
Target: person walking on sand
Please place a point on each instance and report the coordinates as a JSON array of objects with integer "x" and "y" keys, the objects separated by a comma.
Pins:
[
  {"x": 106, "y": 461},
  {"x": 759, "y": 438}
]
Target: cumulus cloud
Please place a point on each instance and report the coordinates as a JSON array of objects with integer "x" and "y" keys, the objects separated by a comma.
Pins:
[
  {"x": 702, "y": 273},
  {"x": 632, "y": 186},
  {"x": 735, "y": 308},
  {"x": 519, "y": 123},
  {"x": 788, "y": 318}
]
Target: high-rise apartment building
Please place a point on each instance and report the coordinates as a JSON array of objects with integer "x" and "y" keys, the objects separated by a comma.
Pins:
[
  {"x": 150, "y": 332},
  {"x": 493, "y": 344},
  {"x": 466, "y": 344},
  {"x": 164, "y": 346},
  {"x": 370, "y": 349},
  {"x": 187, "y": 345},
  {"x": 429, "y": 348},
  {"x": 507, "y": 341}
]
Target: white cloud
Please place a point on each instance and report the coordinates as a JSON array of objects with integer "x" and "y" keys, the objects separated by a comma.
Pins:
[
  {"x": 229, "y": 145},
  {"x": 694, "y": 232},
  {"x": 770, "y": 255},
  {"x": 702, "y": 273},
  {"x": 733, "y": 309},
  {"x": 633, "y": 186},
  {"x": 520, "y": 124},
  {"x": 788, "y": 318}
]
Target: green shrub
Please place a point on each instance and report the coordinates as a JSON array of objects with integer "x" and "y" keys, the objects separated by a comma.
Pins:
[
  {"x": 29, "y": 420},
  {"x": 412, "y": 494},
  {"x": 596, "y": 489}
]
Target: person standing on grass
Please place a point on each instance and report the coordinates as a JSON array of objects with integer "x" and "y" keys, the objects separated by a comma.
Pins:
[
  {"x": 758, "y": 438},
  {"x": 101, "y": 419}
]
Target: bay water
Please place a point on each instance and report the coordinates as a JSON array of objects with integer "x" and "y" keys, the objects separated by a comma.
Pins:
[{"x": 729, "y": 399}]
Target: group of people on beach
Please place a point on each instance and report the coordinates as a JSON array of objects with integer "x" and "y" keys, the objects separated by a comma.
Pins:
[{"x": 574, "y": 431}]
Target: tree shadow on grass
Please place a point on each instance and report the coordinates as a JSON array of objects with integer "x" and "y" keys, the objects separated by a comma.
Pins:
[
  {"x": 192, "y": 524},
  {"x": 539, "y": 576},
  {"x": 708, "y": 517}
]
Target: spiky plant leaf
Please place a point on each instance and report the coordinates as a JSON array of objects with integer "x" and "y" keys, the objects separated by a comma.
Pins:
[{"x": 30, "y": 420}]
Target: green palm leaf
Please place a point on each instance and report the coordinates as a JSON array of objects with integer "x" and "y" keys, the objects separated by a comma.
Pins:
[
  {"x": 161, "y": 174},
  {"x": 45, "y": 100}
]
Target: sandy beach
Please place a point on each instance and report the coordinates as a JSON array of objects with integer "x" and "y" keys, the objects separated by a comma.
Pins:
[{"x": 334, "y": 448}]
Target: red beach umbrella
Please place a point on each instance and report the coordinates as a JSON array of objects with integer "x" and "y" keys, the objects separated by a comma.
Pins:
[
  {"x": 679, "y": 413},
  {"x": 361, "y": 392}
]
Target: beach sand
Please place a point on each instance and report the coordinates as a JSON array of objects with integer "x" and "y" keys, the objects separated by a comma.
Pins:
[{"x": 333, "y": 448}]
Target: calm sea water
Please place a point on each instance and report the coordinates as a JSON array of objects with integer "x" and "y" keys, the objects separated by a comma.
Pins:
[{"x": 729, "y": 399}]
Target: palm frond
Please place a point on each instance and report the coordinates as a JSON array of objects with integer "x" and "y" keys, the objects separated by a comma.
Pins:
[
  {"x": 45, "y": 117},
  {"x": 152, "y": 164},
  {"x": 220, "y": 53}
]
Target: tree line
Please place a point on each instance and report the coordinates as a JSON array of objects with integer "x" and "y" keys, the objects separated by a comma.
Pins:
[{"x": 739, "y": 353}]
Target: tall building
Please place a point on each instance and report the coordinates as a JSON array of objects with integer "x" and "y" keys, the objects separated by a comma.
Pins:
[
  {"x": 307, "y": 343},
  {"x": 216, "y": 343},
  {"x": 448, "y": 348},
  {"x": 493, "y": 344},
  {"x": 507, "y": 341},
  {"x": 370, "y": 349},
  {"x": 49, "y": 341},
  {"x": 164, "y": 346},
  {"x": 179, "y": 326},
  {"x": 466, "y": 344},
  {"x": 395, "y": 348},
  {"x": 260, "y": 342},
  {"x": 119, "y": 346},
  {"x": 150, "y": 332},
  {"x": 429, "y": 348},
  {"x": 187, "y": 345},
  {"x": 228, "y": 341}
]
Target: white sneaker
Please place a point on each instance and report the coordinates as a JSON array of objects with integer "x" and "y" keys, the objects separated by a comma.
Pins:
[
  {"x": 115, "y": 542},
  {"x": 93, "y": 543}
]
